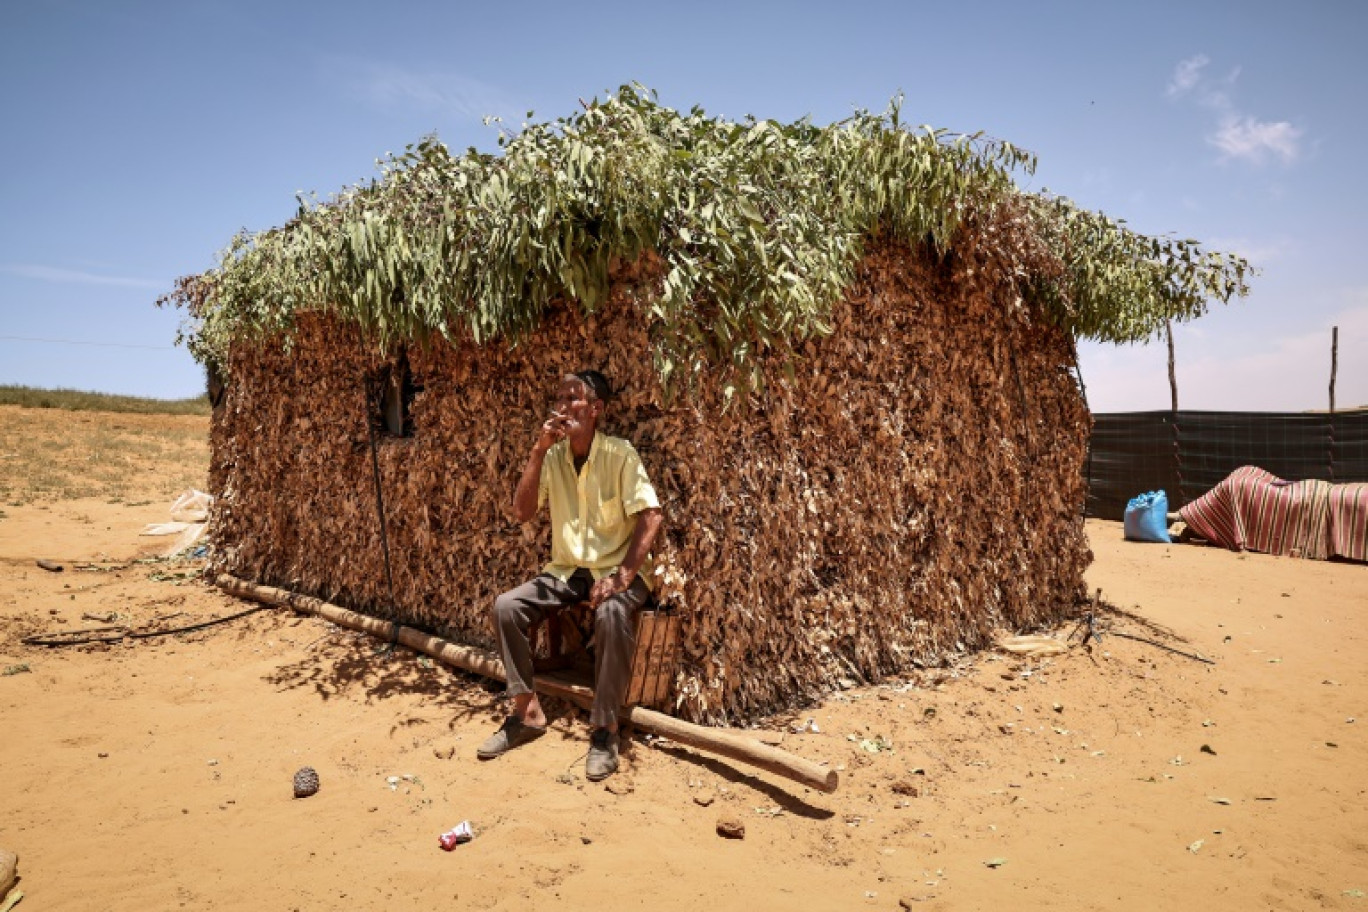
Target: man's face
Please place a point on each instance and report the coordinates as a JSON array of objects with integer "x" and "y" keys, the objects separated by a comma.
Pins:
[{"x": 576, "y": 406}]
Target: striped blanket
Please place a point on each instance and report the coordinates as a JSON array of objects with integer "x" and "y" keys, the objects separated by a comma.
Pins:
[{"x": 1257, "y": 511}]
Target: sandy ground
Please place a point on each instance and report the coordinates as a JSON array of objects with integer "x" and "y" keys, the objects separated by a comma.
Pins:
[{"x": 156, "y": 774}]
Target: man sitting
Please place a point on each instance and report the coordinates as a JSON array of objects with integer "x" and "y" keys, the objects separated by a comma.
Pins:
[{"x": 604, "y": 518}]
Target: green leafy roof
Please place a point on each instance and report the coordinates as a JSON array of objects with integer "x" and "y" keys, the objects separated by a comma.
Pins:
[{"x": 758, "y": 227}]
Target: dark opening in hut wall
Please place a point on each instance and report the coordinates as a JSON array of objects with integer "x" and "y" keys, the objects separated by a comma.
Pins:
[{"x": 915, "y": 487}]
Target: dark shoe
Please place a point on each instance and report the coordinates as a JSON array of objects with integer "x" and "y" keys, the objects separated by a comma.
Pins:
[
  {"x": 513, "y": 733},
  {"x": 603, "y": 755}
]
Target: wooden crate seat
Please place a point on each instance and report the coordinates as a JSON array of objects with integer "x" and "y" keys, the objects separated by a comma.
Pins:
[{"x": 568, "y": 642}]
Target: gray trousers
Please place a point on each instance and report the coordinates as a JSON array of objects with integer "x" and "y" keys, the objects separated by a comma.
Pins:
[{"x": 614, "y": 635}]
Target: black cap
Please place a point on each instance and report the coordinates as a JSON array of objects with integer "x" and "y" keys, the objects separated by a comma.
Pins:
[{"x": 597, "y": 383}]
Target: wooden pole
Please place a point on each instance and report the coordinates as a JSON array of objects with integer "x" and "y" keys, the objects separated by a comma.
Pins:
[
  {"x": 1334, "y": 365},
  {"x": 715, "y": 741},
  {"x": 1334, "y": 369},
  {"x": 1173, "y": 377},
  {"x": 1173, "y": 422}
]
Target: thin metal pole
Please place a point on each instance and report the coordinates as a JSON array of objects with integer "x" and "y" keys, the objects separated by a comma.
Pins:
[{"x": 379, "y": 497}]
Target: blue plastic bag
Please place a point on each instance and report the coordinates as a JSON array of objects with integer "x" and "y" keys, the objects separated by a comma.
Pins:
[{"x": 1146, "y": 518}]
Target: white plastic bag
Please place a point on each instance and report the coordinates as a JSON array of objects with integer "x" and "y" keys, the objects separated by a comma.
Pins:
[{"x": 191, "y": 507}]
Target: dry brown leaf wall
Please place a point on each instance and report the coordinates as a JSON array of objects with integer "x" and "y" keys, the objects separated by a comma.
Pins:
[{"x": 916, "y": 487}]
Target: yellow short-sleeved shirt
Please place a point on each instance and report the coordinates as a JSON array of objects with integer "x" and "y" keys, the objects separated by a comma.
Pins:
[{"x": 593, "y": 513}]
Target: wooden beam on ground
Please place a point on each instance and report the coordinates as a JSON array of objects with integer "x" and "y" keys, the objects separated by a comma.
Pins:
[{"x": 478, "y": 661}]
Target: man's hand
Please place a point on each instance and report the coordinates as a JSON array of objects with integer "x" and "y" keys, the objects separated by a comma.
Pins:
[
  {"x": 525, "y": 496},
  {"x": 643, "y": 536},
  {"x": 617, "y": 581},
  {"x": 552, "y": 431}
]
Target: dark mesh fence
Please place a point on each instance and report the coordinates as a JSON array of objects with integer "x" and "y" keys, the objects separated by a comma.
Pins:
[{"x": 1186, "y": 453}]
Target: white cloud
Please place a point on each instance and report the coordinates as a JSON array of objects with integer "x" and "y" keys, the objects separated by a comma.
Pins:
[
  {"x": 1186, "y": 75},
  {"x": 387, "y": 86},
  {"x": 1237, "y": 135},
  {"x": 1255, "y": 140},
  {"x": 78, "y": 277}
]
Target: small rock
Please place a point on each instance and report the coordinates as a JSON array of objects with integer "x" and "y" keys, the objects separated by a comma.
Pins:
[
  {"x": 1058, "y": 707},
  {"x": 305, "y": 782},
  {"x": 102, "y": 755},
  {"x": 586, "y": 840},
  {"x": 907, "y": 902},
  {"x": 1207, "y": 749},
  {"x": 444, "y": 753},
  {"x": 619, "y": 785},
  {"x": 904, "y": 787},
  {"x": 885, "y": 695},
  {"x": 731, "y": 828},
  {"x": 50, "y": 566},
  {"x": 704, "y": 798}
]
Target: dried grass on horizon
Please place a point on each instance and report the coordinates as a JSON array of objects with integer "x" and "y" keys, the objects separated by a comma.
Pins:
[
  {"x": 114, "y": 456},
  {"x": 84, "y": 401}
]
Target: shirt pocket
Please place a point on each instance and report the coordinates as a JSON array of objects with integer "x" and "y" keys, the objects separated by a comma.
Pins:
[{"x": 610, "y": 515}]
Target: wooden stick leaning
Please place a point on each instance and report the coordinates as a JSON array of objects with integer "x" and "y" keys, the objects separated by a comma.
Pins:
[{"x": 478, "y": 661}]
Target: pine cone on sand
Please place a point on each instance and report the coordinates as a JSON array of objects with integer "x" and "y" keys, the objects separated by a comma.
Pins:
[{"x": 305, "y": 782}]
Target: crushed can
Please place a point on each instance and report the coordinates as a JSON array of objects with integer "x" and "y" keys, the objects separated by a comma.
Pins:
[{"x": 461, "y": 833}]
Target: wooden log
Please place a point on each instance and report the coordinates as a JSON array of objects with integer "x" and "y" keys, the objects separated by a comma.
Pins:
[
  {"x": 735, "y": 747},
  {"x": 478, "y": 661}
]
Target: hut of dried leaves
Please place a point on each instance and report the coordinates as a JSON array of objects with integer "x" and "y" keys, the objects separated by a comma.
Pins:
[{"x": 844, "y": 352}]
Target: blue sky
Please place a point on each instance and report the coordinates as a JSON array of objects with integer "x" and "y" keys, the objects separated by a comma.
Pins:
[{"x": 139, "y": 136}]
